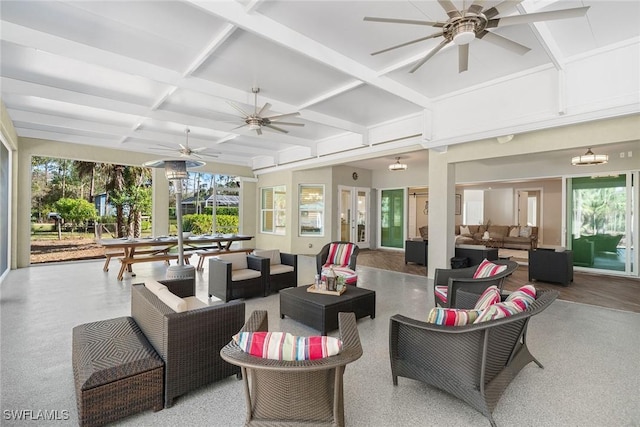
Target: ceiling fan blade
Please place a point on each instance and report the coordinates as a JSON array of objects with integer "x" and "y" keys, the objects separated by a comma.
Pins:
[
  {"x": 476, "y": 7},
  {"x": 241, "y": 126},
  {"x": 405, "y": 21},
  {"x": 264, "y": 109},
  {"x": 276, "y": 128},
  {"x": 463, "y": 57},
  {"x": 259, "y": 131},
  {"x": 183, "y": 147},
  {"x": 244, "y": 113},
  {"x": 280, "y": 116},
  {"x": 407, "y": 43},
  {"x": 535, "y": 17},
  {"x": 502, "y": 42},
  {"x": 450, "y": 8},
  {"x": 290, "y": 124},
  {"x": 429, "y": 55},
  {"x": 501, "y": 8}
]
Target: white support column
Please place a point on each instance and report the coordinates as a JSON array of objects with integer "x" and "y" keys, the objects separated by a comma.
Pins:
[
  {"x": 160, "y": 197},
  {"x": 442, "y": 188}
]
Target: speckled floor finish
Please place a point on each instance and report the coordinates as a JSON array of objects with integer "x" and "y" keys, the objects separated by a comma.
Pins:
[{"x": 590, "y": 354}]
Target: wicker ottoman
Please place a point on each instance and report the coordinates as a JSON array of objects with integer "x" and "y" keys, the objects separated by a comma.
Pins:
[{"x": 116, "y": 371}]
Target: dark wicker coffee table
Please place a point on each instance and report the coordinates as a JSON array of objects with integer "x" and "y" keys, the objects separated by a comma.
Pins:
[{"x": 321, "y": 311}]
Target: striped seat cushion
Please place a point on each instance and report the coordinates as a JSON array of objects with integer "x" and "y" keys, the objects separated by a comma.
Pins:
[
  {"x": 523, "y": 296},
  {"x": 490, "y": 296},
  {"x": 284, "y": 346},
  {"x": 488, "y": 269},
  {"x": 499, "y": 311},
  {"x": 350, "y": 276}
]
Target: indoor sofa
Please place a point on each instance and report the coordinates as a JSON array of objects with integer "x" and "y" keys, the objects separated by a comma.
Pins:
[{"x": 504, "y": 236}]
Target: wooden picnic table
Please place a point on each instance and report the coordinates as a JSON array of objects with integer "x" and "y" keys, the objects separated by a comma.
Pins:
[{"x": 132, "y": 251}]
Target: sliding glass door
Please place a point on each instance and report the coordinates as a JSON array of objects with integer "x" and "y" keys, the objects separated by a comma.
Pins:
[
  {"x": 600, "y": 222},
  {"x": 392, "y": 218}
]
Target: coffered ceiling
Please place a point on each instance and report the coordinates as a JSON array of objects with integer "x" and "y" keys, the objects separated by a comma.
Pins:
[{"x": 133, "y": 75}]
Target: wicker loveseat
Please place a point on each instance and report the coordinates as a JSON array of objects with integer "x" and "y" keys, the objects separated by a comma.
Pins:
[
  {"x": 188, "y": 342},
  {"x": 475, "y": 362}
]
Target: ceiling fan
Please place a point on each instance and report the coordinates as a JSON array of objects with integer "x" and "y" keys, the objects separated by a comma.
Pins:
[
  {"x": 473, "y": 22},
  {"x": 186, "y": 151},
  {"x": 256, "y": 121}
]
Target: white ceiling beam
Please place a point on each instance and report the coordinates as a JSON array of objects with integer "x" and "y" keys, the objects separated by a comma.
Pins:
[
  {"x": 267, "y": 28},
  {"x": 68, "y": 49},
  {"x": 331, "y": 94},
  {"x": 83, "y": 125},
  {"x": 546, "y": 39}
]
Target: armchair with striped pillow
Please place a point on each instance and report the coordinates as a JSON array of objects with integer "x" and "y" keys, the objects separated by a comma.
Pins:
[{"x": 341, "y": 256}]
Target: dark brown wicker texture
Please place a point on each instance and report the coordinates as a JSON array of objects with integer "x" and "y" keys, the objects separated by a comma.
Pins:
[
  {"x": 285, "y": 393},
  {"x": 188, "y": 342},
  {"x": 116, "y": 371},
  {"x": 475, "y": 363},
  {"x": 221, "y": 286},
  {"x": 462, "y": 278}
]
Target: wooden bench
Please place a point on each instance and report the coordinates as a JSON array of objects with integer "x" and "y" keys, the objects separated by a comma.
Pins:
[
  {"x": 125, "y": 263},
  {"x": 111, "y": 254},
  {"x": 204, "y": 253}
]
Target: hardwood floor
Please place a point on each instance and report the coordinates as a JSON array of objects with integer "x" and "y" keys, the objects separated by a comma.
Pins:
[{"x": 621, "y": 293}]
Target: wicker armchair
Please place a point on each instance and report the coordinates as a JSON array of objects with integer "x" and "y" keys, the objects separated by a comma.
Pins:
[
  {"x": 187, "y": 342},
  {"x": 290, "y": 393},
  {"x": 334, "y": 255},
  {"x": 474, "y": 363},
  {"x": 234, "y": 276},
  {"x": 462, "y": 278}
]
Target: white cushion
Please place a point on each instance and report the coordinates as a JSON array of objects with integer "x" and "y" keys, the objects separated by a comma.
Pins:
[
  {"x": 464, "y": 231},
  {"x": 194, "y": 303},
  {"x": 272, "y": 254},
  {"x": 244, "y": 274},
  {"x": 280, "y": 268},
  {"x": 173, "y": 301},
  {"x": 515, "y": 232},
  {"x": 154, "y": 286},
  {"x": 525, "y": 231},
  {"x": 238, "y": 261}
]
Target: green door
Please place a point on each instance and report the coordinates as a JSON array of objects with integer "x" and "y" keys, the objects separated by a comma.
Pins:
[{"x": 392, "y": 219}]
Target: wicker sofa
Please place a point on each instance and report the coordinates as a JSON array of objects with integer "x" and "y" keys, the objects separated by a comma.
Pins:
[
  {"x": 189, "y": 342},
  {"x": 475, "y": 363},
  {"x": 505, "y": 236}
]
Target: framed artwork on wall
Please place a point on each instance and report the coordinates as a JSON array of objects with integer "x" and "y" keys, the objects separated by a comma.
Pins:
[{"x": 458, "y": 204}]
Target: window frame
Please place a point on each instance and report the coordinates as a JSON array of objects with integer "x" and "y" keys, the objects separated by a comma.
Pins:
[
  {"x": 319, "y": 211},
  {"x": 278, "y": 213}
]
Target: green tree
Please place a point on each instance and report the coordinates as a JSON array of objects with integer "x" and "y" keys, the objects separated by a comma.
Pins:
[{"x": 75, "y": 211}]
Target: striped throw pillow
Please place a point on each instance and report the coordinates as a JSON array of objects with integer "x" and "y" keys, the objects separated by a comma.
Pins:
[
  {"x": 523, "y": 296},
  {"x": 490, "y": 296},
  {"x": 452, "y": 316},
  {"x": 339, "y": 254},
  {"x": 284, "y": 346},
  {"x": 488, "y": 269},
  {"x": 498, "y": 311}
]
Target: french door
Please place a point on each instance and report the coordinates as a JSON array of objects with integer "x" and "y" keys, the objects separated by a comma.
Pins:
[{"x": 353, "y": 209}]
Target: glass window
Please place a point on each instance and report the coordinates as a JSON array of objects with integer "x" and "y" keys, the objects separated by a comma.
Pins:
[
  {"x": 311, "y": 200},
  {"x": 273, "y": 215}
]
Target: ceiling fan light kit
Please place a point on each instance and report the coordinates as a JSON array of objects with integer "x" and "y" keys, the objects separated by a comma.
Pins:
[
  {"x": 589, "y": 159},
  {"x": 397, "y": 166},
  {"x": 256, "y": 121},
  {"x": 463, "y": 26}
]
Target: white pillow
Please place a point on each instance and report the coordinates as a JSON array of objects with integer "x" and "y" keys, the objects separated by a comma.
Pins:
[
  {"x": 464, "y": 230},
  {"x": 272, "y": 254},
  {"x": 515, "y": 232},
  {"x": 525, "y": 231},
  {"x": 154, "y": 286},
  {"x": 174, "y": 302},
  {"x": 238, "y": 261}
]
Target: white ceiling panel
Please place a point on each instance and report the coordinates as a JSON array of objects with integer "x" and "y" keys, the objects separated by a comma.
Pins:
[{"x": 133, "y": 75}]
